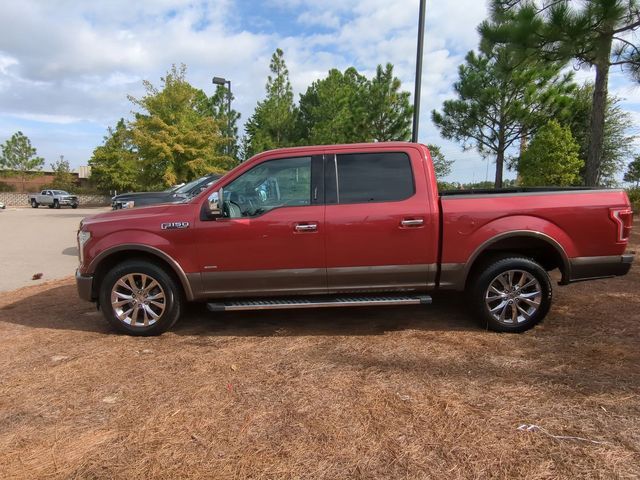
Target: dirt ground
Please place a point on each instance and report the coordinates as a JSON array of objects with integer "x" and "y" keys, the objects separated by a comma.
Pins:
[{"x": 352, "y": 393}]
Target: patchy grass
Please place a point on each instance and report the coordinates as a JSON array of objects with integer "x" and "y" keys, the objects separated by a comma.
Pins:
[{"x": 409, "y": 392}]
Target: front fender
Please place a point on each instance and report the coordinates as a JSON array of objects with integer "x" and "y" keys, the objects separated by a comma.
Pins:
[{"x": 137, "y": 241}]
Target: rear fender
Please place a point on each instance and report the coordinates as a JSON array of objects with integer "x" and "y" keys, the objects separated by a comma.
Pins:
[{"x": 521, "y": 226}]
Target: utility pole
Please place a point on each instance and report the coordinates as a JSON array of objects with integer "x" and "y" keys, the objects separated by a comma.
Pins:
[{"x": 418, "y": 84}]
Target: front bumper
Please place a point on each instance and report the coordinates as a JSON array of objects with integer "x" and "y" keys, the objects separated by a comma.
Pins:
[
  {"x": 589, "y": 268},
  {"x": 84, "y": 283}
]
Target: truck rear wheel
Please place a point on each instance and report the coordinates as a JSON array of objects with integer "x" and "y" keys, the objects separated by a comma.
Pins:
[
  {"x": 140, "y": 298},
  {"x": 511, "y": 294}
]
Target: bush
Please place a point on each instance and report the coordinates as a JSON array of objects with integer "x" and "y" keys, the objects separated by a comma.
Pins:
[
  {"x": 634, "y": 197},
  {"x": 5, "y": 187},
  {"x": 551, "y": 159}
]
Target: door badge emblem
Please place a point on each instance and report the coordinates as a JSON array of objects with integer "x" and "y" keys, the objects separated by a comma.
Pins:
[{"x": 174, "y": 225}]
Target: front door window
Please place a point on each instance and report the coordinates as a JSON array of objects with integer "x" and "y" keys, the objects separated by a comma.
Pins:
[{"x": 269, "y": 185}]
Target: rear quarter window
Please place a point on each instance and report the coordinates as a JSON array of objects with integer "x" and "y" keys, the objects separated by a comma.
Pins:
[{"x": 374, "y": 177}]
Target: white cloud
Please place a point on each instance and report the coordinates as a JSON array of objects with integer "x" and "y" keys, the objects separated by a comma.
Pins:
[{"x": 67, "y": 66}]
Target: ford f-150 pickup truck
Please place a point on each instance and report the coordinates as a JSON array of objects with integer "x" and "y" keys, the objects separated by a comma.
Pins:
[{"x": 348, "y": 225}]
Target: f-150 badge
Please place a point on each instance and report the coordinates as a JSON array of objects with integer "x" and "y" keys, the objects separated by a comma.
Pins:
[{"x": 174, "y": 225}]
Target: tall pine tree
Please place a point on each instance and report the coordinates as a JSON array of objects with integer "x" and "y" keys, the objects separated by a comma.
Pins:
[
  {"x": 597, "y": 33},
  {"x": 274, "y": 122},
  {"x": 499, "y": 100}
]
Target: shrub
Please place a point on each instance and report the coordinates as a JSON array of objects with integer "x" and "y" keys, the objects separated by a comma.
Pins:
[
  {"x": 634, "y": 197},
  {"x": 552, "y": 158},
  {"x": 5, "y": 187}
]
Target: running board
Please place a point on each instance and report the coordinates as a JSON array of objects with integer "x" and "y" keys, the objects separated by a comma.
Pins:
[{"x": 305, "y": 302}]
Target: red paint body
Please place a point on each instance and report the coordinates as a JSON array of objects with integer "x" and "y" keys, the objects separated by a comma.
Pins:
[{"x": 359, "y": 235}]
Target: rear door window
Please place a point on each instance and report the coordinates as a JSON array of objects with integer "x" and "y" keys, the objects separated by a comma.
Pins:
[{"x": 373, "y": 177}]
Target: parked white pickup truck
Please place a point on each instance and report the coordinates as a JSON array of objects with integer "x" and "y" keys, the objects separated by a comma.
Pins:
[{"x": 53, "y": 199}]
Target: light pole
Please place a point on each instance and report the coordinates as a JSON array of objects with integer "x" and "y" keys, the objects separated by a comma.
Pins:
[
  {"x": 223, "y": 81},
  {"x": 416, "y": 95}
]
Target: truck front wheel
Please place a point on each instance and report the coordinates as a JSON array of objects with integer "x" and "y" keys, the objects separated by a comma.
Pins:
[
  {"x": 511, "y": 294},
  {"x": 34, "y": 204},
  {"x": 140, "y": 298}
]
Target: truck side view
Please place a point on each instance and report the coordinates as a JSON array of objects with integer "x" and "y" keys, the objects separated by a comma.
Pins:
[
  {"x": 53, "y": 199},
  {"x": 348, "y": 225}
]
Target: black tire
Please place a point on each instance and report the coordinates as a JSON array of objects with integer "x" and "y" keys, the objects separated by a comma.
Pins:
[
  {"x": 74, "y": 206},
  {"x": 173, "y": 303},
  {"x": 34, "y": 204},
  {"x": 514, "y": 301},
  {"x": 56, "y": 204}
]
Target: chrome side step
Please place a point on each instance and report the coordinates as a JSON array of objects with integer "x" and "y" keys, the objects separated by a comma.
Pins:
[{"x": 318, "y": 302}]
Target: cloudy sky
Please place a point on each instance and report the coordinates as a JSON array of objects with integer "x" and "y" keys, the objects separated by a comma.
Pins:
[{"x": 66, "y": 66}]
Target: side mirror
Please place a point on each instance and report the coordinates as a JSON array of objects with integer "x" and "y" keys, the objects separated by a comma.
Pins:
[{"x": 214, "y": 204}]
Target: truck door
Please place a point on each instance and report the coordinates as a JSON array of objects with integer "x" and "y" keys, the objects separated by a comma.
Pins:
[
  {"x": 270, "y": 239},
  {"x": 381, "y": 230}
]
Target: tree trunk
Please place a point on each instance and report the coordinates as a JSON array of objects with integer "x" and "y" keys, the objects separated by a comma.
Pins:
[
  {"x": 524, "y": 143},
  {"x": 500, "y": 158},
  {"x": 499, "y": 168},
  {"x": 594, "y": 155}
]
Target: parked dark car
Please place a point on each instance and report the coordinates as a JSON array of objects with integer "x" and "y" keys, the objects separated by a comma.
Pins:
[{"x": 178, "y": 194}]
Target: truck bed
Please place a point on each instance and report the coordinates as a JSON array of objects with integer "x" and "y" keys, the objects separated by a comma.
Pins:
[{"x": 512, "y": 190}]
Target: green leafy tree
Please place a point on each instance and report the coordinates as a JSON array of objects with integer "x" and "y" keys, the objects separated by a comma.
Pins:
[
  {"x": 274, "y": 122},
  {"x": 348, "y": 108},
  {"x": 115, "y": 164},
  {"x": 441, "y": 165},
  {"x": 332, "y": 109},
  {"x": 617, "y": 144},
  {"x": 20, "y": 158},
  {"x": 597, "y": 33},
  {"x": 632, "y": 175},
  {"x": 175, "y": 140},
  {"x": 388, "y": 110},
  {"x": 63, "y": 179},
  {"x": 552, "y": 158},
  {"x": 499, "y": 100}
]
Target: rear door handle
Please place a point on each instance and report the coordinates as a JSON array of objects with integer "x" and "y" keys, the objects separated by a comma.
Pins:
[
  {"x": 306, "y": 227},
  {"x": 413, "y": 222}
]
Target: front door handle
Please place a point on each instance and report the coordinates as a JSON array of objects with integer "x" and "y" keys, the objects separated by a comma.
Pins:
[
  {"x": 413, "y": 222},
  {"x": 306, "y": 227}
]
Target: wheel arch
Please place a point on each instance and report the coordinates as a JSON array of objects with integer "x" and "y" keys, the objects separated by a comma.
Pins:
[
  {"x": 538, "y": 246},
  {"x": 107, "y": 259}
]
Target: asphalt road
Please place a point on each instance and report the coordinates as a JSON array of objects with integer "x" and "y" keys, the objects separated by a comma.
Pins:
[{"x": 38, "y": 240}]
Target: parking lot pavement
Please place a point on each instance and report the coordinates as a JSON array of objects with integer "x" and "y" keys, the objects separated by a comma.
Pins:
[{"x": 38, "y": 240}]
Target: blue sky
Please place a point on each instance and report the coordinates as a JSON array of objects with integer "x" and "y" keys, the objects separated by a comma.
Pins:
[{"x": 66, "y": 66}]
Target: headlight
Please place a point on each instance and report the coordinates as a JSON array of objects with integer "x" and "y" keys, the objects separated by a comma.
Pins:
[{"x": 83, "y": 238}]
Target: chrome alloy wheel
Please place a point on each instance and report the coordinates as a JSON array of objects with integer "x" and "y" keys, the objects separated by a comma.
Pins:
[
  {"x": 137, "y": 298},
  {"x": 513, "y": 297}
]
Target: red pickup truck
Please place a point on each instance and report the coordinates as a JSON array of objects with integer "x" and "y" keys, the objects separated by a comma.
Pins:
[{"x": 348, "y": 225}]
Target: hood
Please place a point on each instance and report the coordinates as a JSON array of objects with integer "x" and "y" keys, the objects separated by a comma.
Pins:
[
  {"x": 134, "y": 195},
  {"x": 129, "y": 214}
]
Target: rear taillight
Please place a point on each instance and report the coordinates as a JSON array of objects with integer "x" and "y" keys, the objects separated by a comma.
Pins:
[{"x": 623, "y": 217}]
